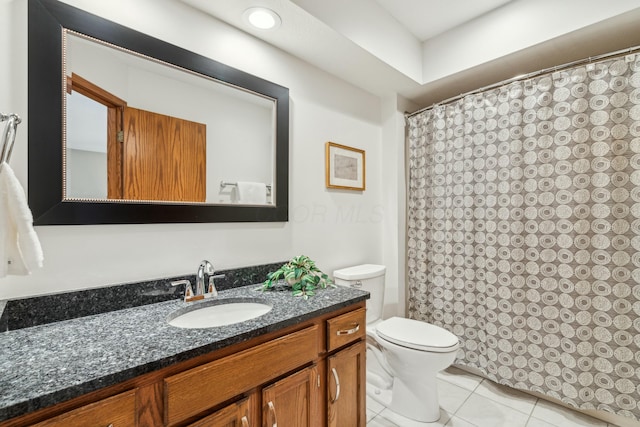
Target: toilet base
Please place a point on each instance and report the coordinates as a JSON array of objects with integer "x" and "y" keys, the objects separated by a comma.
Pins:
[
  {"x": 384, "y": 396},
  {"x": 418, "y": 402},
  {"x": 404, "y": 378},
  {"x": 380, "y": 395}
]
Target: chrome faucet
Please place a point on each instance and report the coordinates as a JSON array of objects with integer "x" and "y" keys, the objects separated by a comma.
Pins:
[{"x": 205, "y": 269}]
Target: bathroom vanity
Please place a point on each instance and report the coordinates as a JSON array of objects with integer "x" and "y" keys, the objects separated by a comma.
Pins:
[{"x": 300, "y": 364}]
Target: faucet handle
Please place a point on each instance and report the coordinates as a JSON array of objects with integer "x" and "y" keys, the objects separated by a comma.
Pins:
[
  {"x": 188, "y": 290},
  {"x": 211, "y": 289}
]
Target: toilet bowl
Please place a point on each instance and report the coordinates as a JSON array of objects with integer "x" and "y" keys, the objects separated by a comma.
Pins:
[
  {"x": 415, "y": 352},
  {"x": 403, "y": 355}
]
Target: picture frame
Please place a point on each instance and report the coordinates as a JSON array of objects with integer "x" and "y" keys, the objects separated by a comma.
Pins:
[{"x": 344, "y": 167}]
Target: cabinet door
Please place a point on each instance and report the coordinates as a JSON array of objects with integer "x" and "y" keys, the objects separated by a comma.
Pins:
[
  {"x": 293, "y": 401},
  {"x": 235, "y": 415},
  {"x": 346, "y": 384}
]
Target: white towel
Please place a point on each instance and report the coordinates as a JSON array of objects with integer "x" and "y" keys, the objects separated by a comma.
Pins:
[
  {"x": 252, "y": 193},
  {"x": 20, "y": 250}
]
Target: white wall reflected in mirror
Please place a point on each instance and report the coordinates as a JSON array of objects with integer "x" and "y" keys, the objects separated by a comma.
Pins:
[{"x": 86, "y": 148}]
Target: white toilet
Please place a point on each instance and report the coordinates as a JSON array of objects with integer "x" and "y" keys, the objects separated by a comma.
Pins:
[{"x": 403, "y": 355}]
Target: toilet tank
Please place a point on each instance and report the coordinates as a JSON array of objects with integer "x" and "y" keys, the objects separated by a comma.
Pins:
[{"x": 368, "y": 277}]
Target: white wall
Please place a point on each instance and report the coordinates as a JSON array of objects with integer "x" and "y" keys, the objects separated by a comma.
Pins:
[
  {"x": 335, "y": 228},
  {"x": 394, "y": 177}
]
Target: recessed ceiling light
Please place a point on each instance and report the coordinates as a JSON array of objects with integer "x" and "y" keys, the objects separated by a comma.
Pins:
[{"x": 262, "y": 18}]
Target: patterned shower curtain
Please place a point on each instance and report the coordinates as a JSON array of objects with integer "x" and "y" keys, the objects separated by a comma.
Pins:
[{"x": 524, "y": 231}]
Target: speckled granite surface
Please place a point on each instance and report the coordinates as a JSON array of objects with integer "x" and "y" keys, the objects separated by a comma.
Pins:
[
  {"x": 33, "y": 311},
  {"x": 47, "y": 364}
]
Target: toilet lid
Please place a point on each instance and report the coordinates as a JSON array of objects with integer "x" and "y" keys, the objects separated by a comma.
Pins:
[{"x": 416, "y": 334}]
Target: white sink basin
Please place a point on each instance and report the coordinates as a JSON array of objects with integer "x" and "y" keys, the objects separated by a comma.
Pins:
[{"x": 214, "y": 313}]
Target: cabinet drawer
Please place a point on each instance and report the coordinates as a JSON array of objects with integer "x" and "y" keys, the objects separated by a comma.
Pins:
[
  {"x": 346, "y": 328},
  {"x": 198, "y": 389},
  {"x": 116, "y": 411}
]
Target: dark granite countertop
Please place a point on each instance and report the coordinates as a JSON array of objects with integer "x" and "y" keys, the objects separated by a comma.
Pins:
[{"x": 48, "y": 364}]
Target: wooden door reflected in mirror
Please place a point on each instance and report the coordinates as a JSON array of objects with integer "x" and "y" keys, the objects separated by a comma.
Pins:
[{"x": 163, "y": 157}]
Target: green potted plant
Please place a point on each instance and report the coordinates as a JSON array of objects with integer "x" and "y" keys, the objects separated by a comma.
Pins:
[{"x": 301, "y": 275}]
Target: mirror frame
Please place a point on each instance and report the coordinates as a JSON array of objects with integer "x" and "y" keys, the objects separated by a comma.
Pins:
[{"x": 46, "y": 21}]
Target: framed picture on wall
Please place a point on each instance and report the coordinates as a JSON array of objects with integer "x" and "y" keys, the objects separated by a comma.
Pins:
[{"x": 345, "y": 167}]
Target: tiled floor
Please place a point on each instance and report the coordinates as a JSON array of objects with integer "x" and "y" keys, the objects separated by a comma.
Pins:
[{"x": 470, "y": 401}]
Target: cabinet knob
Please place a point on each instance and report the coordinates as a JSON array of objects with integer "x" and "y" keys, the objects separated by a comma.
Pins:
[
  {"x": 272, "y": 411},
  {"x": 353, "y": 330},
  {"x": 245, "y": 421},
  {"x": 337, "y": 380}
]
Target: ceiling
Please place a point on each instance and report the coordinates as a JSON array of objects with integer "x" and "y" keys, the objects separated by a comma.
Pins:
[
  {"x": 428, "y": 18},
  {"x": 430, "y": 50}
]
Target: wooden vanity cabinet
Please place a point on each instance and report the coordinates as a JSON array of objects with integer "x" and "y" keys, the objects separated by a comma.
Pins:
[
  {"x": 288, "y": 378},
  {"x": 196, "y": 390}
]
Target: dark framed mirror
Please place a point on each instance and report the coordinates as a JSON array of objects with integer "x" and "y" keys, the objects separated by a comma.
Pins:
[{"x": 57, "y": 195}]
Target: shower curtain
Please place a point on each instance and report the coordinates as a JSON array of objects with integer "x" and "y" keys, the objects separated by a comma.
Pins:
[{"x": 524, "y": 231}]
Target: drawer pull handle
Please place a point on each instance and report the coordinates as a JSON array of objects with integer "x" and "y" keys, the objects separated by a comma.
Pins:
[
  {"x": 337, "y": 380},
  {"x": 351, "y": 331},
  {"x": 272, "y": 410},
  {"x": 245, "y": 421}
]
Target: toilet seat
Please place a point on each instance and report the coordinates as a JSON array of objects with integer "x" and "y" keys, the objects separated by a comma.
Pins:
[{"x": 417, "y": 335}]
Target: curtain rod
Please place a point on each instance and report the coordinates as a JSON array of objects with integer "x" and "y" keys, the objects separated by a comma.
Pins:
[{"x": 531, "y": 75}]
